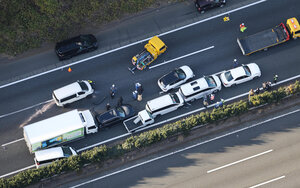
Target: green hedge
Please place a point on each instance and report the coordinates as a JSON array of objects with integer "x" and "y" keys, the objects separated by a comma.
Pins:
[
  {"x": 26, "y": 24},
  {"x": 100, "y": 154}
]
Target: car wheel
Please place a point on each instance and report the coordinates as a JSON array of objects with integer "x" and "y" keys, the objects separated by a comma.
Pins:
[{"x": 256, "y": 77}]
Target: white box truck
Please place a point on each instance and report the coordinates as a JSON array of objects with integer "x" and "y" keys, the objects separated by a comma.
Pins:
[{"x": 59, "y": 129}]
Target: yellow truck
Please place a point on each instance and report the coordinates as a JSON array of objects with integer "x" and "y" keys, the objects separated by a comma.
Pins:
[
  {"x": 151, "y": 51},
  {"x": 270, "y": 37}
]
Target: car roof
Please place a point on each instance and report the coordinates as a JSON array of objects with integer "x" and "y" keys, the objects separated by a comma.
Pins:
[
  {"x": 237, "y": 72},
  {"x": 160, "y": 102},
  {"x": 156, "y": 42},
  {"x": 189, "y": 88},
  {"x": 67, "y": 90},
  {"x": 49, "y": 154}
]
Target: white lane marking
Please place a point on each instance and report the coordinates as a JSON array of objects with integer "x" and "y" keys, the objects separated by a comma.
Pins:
[
  {"x": 132, "y": 44},
  {"x": 12, "y": 142},
  {"x": 14, "y": 172},
  {"x": 213, "y": 17},
  {"x": 239, "y": 161},
  {"x": 181, "y": 57},
  {"x": 33, "y": 106},
  {"x": 275, "y": 179},
  {"x": 184, "y": 149}
]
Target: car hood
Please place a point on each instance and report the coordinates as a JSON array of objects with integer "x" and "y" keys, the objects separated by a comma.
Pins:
[{"x": 255, "y": 70}]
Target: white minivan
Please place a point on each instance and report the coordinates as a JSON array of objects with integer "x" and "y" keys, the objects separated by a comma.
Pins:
[
  {"x": 47, "y": 156},
  {"x": 200, "y": 88},
  {"x": 164, "y": 104},
  {"x": 72, "y": 92}
]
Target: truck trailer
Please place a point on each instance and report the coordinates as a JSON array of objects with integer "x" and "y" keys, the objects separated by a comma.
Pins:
[
  {"x": 270, "y": 37},
  {"x": 59, "y": 129}
]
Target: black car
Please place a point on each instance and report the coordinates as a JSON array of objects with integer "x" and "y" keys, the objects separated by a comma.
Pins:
[
  {"x": 75, "y": 46},
  {"x": 115, "y": 115},
  {"x": 203, "y": 5}
]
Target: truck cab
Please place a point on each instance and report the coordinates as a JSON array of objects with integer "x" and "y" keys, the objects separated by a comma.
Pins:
[
  {"x": 293, "y": 27},
  {"x": 145, "y": 117},
  {"x": 88, "y": 121},
  {"x": 151, "y": 51}
]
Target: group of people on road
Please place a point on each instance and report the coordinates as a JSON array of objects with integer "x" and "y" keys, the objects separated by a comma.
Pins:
[{"x": 137, "y": 94}]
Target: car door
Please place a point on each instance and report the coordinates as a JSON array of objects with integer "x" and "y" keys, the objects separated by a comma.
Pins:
[{"x": 241, "y": 79}]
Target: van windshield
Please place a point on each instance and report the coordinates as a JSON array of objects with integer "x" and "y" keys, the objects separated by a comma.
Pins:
[
  {"x": 67, "y": 151},
  {"x": 83, "y": 85},
  {"x": 175, "y": 98},
  {"x": 210, "y": 81}
]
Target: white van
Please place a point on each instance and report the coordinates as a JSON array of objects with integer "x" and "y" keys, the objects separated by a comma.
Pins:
[
  {"x": 200, "y": 88},
  {"x": 72, "y": 92},
  {"x": 164, "y": 104},
  {"x": 47, "y": 156}
]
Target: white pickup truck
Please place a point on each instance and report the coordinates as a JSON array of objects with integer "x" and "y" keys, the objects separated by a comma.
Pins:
[{"x": 143, "y": 119}]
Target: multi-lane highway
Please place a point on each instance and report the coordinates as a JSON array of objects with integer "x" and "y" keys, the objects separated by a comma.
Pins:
[
  {"x": 265, "y": 152},
  {"x": 28, "y": 101}
]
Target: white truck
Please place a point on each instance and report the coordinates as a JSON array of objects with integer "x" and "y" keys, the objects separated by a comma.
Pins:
[
  {"x": 59, "y": 129},
  {"x": 143, "y": 119}
]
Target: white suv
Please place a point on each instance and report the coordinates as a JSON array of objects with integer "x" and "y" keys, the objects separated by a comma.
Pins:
[
  {"x": 200, "y": 88},
  {"x": 48, "y": 156},
  {"x": 164, "y": 104},
  {"x": 72, "y": 92}
]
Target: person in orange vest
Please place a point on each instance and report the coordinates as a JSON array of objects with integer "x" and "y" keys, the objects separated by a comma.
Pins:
[{"x": 242, "y": 27}]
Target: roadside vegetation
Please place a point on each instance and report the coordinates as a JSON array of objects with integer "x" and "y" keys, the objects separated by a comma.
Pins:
[
  {"x": 28, "y": 24},
  {"x": 101, "y": 154}
]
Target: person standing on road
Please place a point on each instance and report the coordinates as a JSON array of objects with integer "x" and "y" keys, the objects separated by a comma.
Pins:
[
  {"x": 235, "y": 63},
  {"x": 140, "y": 91},
  {"x": 212, "y": 97},
  {"x": 251, "y": 93},
  {"x": 107, "y": 106},
  {"x": 113, "y": 90},
  {"x": 242, "y": 27},
  {"x": 120, "y": 101},
  {"x": 205, "y": 103},
  {"x": 275, "y": 78}
]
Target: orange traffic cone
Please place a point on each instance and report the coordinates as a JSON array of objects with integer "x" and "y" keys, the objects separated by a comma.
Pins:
[{"x": 69, "y": 69}]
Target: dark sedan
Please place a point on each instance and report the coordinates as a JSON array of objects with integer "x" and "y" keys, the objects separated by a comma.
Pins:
[
  {"x": 75, "y": 46},
  {"x": 115, "y": 115},
  {"x": 203, "y": 5}
]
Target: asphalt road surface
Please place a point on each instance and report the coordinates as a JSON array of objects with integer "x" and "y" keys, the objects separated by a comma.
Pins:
[
  {"x": 266, "y": 154},
  {"x": 112, "y": 68}
]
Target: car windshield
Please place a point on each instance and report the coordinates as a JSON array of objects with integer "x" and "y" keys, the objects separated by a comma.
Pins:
[
  {"x": 210, "y": 81},
  {"x": 228, "y": 76},
  {"x": 175, "y": 98},
  {"x": 83, "y": 85},
  {"x": 120, "y": 112},
  {"x": 180, "y": 74},
  {"x": 86, "y": 40},
  {"x": 247, "y": 70},
  {"x": 67, "y": 152}
]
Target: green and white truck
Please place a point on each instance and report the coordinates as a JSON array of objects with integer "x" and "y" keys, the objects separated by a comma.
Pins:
[{"x": 59, "y": 129}]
